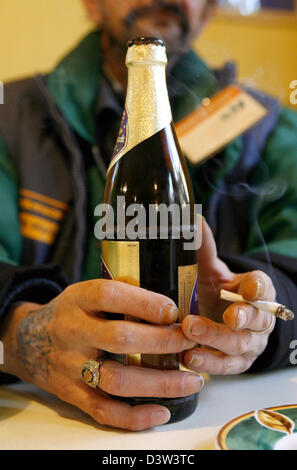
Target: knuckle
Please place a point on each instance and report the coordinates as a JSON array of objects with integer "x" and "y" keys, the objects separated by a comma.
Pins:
[
  {"x": 115, "y": 381},
  {"x": 60, "y": 361},
  {"x": 100, "y": 415},
  {"x": 171, "y": 340},
  {"x": 63, "y": 390},
  {"x": 63, "y": 330},
  {"x": 57, "y": 330},
  {"x": 70, "y": 289},
  {"x": 215, "y": 331},
  {"x": 121, "y": 337},
  {"x": 67, "y": 388},
  {"x": 69, "y": 292},
  {"x": 165, "y": 387},
  {"x": 232, "y": 366},
  {"x": 152, "y": 304},
  {"x": 257, "y": 344},
  {"x": 165, "y": 346},
  {"x": 106, "y": 289},
  {"x": 181, "y": 385},
  {"x": 246, "y": 364},
  {"x": 262, "y": 343},
  {"x": 124, "y": 338},
  {"x": 243, "y": 342},
  {"x": 228, "y": 367}
]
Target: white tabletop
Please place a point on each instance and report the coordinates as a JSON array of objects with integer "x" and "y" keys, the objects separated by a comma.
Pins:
[{"x": 33, "y": 419}]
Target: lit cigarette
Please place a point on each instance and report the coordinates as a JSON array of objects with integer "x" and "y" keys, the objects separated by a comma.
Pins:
[{"x": 274, "y": 308}]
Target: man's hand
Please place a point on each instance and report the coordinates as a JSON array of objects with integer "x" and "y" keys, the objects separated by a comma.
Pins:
[
  {"x": 48, "y": 344},
  {"x": 226, "y": 343}
]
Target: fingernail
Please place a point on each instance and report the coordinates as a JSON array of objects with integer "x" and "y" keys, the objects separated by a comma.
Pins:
[
  {"x": 194, "y": 383},
  {"x": 260, "y": 289},
  {"x": 170, "y": 314},
  {"x": 161, "y": 416},
  {"x": 241, "y": 318},
  {"x": 197, "y": 326},
  {"x": 196, "y": 360}
]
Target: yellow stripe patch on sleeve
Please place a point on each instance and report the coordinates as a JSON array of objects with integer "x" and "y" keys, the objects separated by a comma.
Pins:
[
  {"x": 42, "y": 209},
  {"x": 38, "y": 228},
  {"x": 42, "y": 198}
]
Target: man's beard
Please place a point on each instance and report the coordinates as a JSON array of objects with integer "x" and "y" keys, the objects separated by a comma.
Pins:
[
  {"x": 178, "y": 42},
  {"x": 159, "y": 6}
]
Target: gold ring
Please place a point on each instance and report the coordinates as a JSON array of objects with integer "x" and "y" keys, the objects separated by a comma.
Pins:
[
  {"x": 90, "y": 372},
  {"x": 265, "y": 330}
]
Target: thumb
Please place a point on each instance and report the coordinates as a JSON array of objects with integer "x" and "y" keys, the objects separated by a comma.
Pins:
[
  {"x": 208, "y": 262},
  {"x": 207, "y": 252}
]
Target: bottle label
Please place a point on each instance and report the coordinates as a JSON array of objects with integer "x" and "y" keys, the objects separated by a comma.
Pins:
[
  {"x": 187, "y": 291},
  {"x": 122, "y": 139},
  {"x": 121, "y": 262},
  {"x": 187, "y": 296}
]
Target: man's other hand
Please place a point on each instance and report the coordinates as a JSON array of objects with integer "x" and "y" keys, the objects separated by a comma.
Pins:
[{"x": 229, "y": 336}]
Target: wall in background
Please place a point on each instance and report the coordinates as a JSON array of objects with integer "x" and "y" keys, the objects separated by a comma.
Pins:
[
  {"x": 264, "y": 48},
  {"x": 35, "y": 34}
]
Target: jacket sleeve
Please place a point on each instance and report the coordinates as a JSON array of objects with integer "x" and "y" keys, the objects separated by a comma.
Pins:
[
  {"x": 272, "y": 242},
  {"x": 32, "y": 283},
  {"x": 27, "y": 283}
]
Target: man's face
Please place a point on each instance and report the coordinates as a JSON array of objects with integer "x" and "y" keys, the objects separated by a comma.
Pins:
[{"x": 177, "y": 22}]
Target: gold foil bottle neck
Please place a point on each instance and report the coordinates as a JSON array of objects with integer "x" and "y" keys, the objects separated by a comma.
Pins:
[
  {"x": 147, "y": 107},
  {"x": 143, "y": 54}
]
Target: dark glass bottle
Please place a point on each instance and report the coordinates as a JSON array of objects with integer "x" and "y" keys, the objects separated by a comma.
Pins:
[{"x": 148, "y": 174}]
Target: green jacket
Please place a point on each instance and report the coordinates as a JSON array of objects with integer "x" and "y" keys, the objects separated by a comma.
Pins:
[{"x": 43, "y": 193}]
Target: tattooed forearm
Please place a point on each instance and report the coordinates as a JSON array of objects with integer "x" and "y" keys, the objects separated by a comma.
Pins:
[{"x": 34, "y": 341}]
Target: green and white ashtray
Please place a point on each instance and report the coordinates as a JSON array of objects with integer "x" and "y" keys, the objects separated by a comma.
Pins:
[{"x": 263, "y": 429}]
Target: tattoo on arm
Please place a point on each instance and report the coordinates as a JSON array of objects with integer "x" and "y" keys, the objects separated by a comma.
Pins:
[{"x": 35, "y": 344}]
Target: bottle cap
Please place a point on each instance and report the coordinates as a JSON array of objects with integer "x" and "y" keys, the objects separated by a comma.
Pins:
[
  {"x": 144, "y": 41},
  {"x": 145, "y": 50}
]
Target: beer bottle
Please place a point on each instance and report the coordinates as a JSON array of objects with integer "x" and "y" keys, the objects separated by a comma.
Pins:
[{"x": 146, "y": 179}]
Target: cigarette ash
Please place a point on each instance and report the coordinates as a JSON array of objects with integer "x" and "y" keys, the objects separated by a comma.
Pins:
[{"x": 284, "y": 313}]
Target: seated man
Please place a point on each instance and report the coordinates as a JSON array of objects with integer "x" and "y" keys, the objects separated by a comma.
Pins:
[{"x": 56, "y": 138}]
